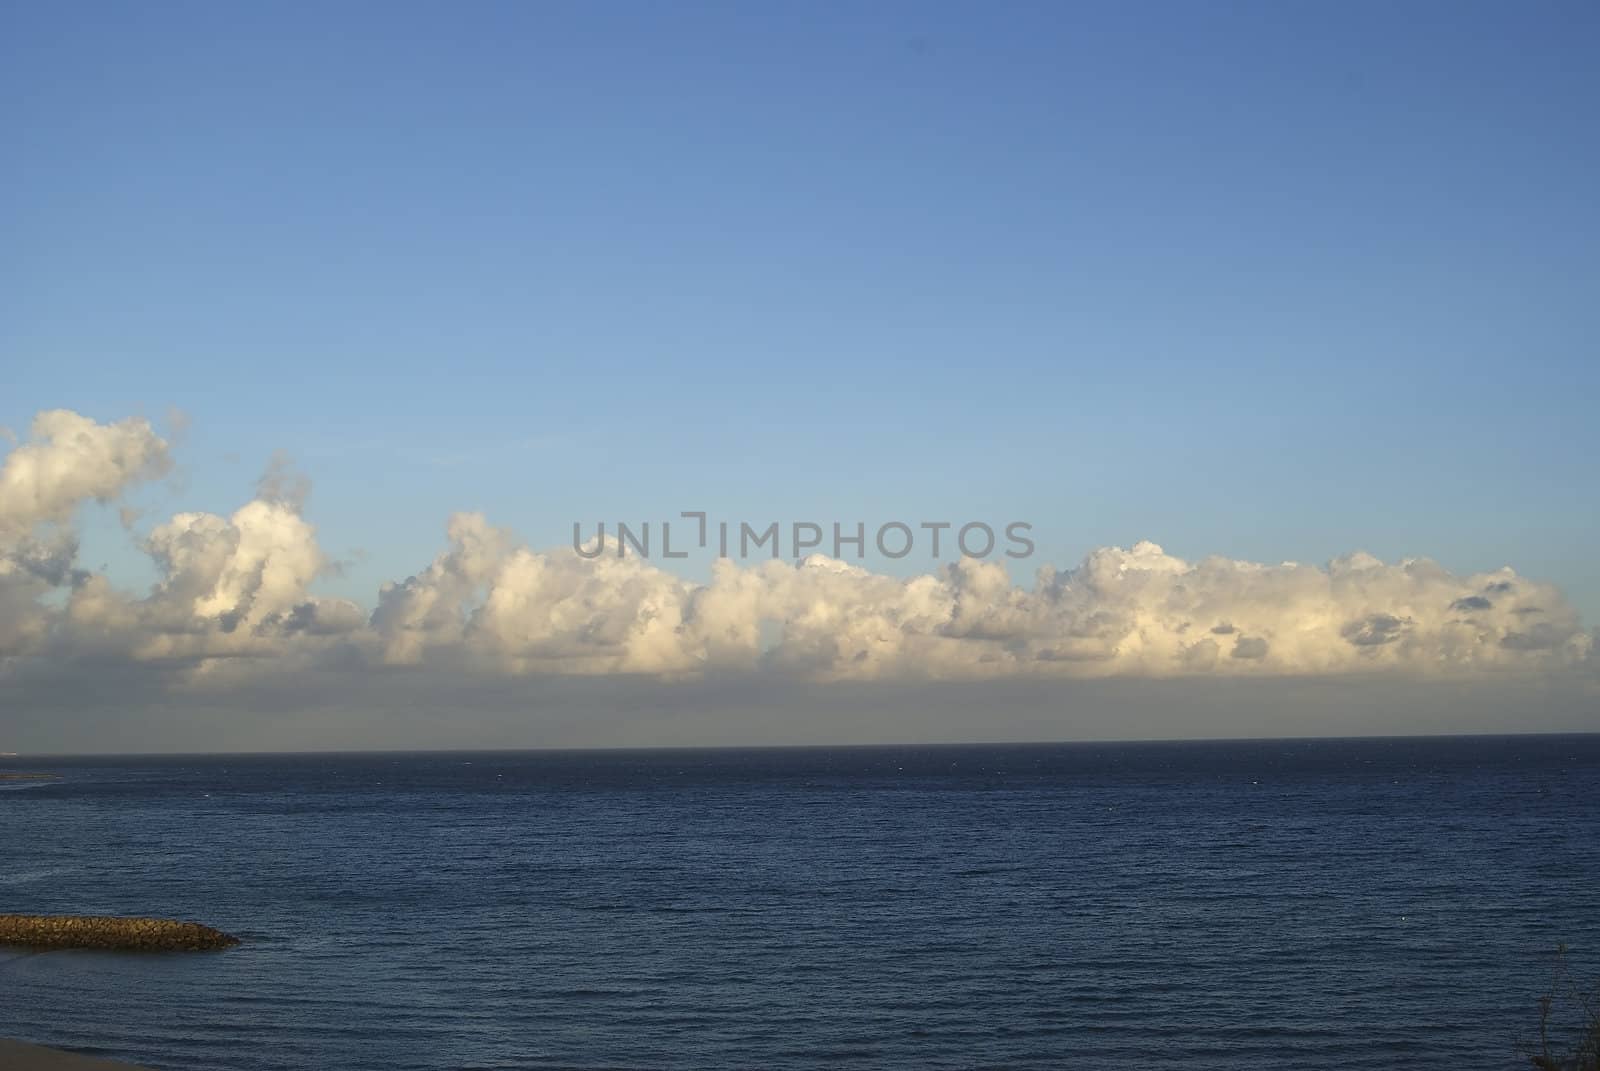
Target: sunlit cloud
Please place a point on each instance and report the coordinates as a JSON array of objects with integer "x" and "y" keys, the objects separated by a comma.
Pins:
[{"x": 235, "y": 597}]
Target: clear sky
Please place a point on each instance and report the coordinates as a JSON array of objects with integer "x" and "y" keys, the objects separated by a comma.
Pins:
[{"x": 1274, "y": 281}]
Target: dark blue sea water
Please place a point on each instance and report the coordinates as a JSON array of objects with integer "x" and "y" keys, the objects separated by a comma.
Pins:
[{"x": 1309, "y": 904}]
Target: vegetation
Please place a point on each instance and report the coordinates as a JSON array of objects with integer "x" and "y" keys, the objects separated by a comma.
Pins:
[{"x": 1569, "y": 1023}]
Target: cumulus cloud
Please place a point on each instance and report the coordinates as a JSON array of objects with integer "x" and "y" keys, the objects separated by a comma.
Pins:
[
  {"x": 70, "y": 459},
  {"x": 235, "y": 595},
  {"x": 230, "y": 587},
  {"x": 283, "y": 483},
  {"x": 1135, "y": 612},
  {"x": 67, "y": 460}
]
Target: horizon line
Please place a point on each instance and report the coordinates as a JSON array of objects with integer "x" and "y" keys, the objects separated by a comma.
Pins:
[{"x": 792, "y": 747}]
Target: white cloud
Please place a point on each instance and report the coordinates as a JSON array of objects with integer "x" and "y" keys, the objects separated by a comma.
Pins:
[
  {"x": 233, "y": 592},
  {"x": 68, "y": 460},
  {"x": 429, "y": 610},
  {"x": 1138, "y": 612},
  {"x": 237, "y": 592}
]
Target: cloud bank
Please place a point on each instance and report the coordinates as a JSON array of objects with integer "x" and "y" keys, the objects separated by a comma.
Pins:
[{"x": 235, "y": 599}]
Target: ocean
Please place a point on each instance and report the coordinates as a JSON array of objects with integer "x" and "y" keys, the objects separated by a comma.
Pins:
[{"x": 1300, "y": 904}]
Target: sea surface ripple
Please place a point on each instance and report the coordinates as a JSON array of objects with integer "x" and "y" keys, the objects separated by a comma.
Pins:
[{"x": 1320, "y": 904}]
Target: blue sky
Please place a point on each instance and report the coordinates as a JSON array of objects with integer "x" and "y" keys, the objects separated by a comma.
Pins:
[{"x": 1272, "y": 281}]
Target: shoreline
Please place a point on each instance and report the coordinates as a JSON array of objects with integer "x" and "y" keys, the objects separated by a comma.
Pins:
[{"x": 25, "y": 1056}]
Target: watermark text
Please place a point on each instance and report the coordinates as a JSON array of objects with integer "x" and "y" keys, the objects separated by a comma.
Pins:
[{"x": 798, "y": 539}]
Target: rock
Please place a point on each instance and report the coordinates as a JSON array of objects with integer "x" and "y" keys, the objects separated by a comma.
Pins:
[{"x": 95, "y": 931}]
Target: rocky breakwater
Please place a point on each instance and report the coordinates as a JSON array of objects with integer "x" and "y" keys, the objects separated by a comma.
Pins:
[{"x": 95, "y": 931}]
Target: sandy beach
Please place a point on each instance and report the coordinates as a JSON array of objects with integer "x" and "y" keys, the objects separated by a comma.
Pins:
[{"x": 21, "y": 1056}]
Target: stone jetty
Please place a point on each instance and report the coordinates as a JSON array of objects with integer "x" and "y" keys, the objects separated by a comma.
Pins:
[{"x": 95, "y": 931}]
